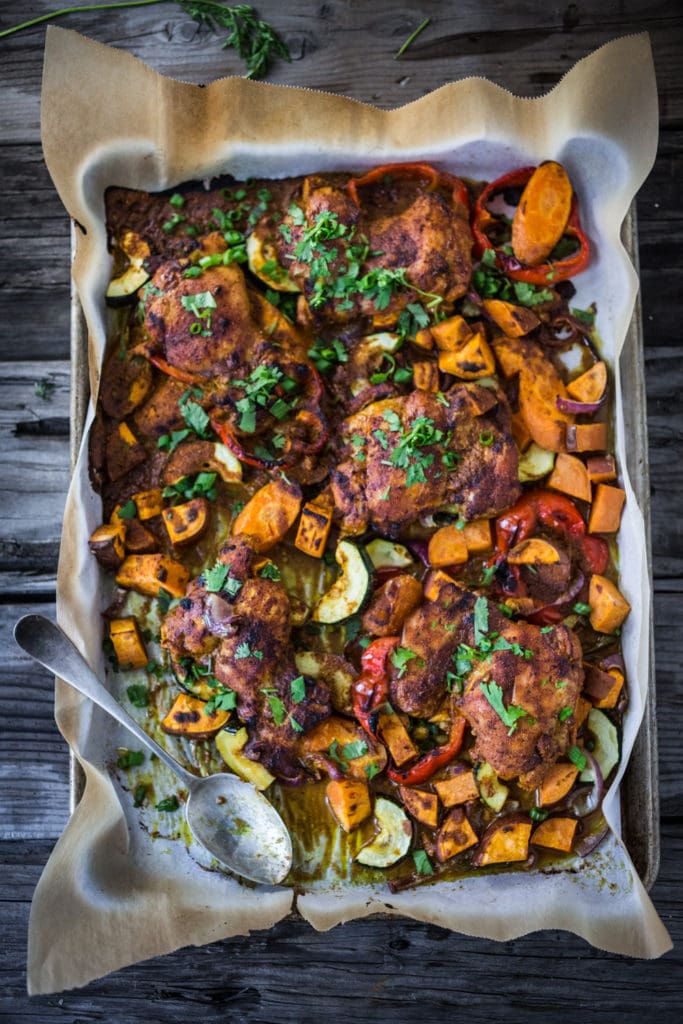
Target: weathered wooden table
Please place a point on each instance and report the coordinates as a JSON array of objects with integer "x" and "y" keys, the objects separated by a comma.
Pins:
[{"x": 379, "y": 970}]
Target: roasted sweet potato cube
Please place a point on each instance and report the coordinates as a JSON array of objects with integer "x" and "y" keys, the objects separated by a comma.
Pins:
[
  {"x": 590, "y": 386},
  {"x": 107, "y": 544},
  {"x": 558, "y": 780},
  {"x": 610, "y": 696},
  {"x": 609, "y": 607},
  {"x": 447, "y": 547},
  {"x": 139, "y": 540},
  {"x": 534, "y": 551},
  {"x": 187, "y": 522},
  {"x": 583, "y": 706},
  {"x": 602, "y": 469},
  {"x": 422, "y": 806},
  {"x": 555, "y": 834},
  {"x": 477, "y": 536},
  {"x": 128, "y": 643},
  {"x": 451, "y": 334},
  {"x": 148, "y": 574},
  {"x": 457, "y": 789},
  {"x": 455, "y": 835},
  {"x": 514, "y": 321},
  {"x": 124, "y": 452},
  {"x": 423, "y": 339},
  {"x": 505, "y": 841},
  {"x": 608, "y": 503},
  {"x": 313, "y": 531},
  {"x": 188, "y": 717},
  {"x": 395, "y": 735},
  {"x": 149, "y": 503},
  {"x": 349, "y": 801},
  {"x": 426, "y": 376},
  {"x": 269, "y": 514},
  {"x": 472, "y": 360},
  {"x": 586, "y": 437},
  {"x": 510, "y": 355},
  {"x": 570, "y": 476}
]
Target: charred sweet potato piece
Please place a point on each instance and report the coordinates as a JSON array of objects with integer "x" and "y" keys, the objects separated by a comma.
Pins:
[
  {"x": 447, "y": 547},
  {"x": 391, "y": 605},
  {"x": 149, "y": 503},
  {"x": 591, "y": 385},
  {"x": 128, "y": 643},
  {"x": 107, "y": 544},
  {"x": 585, "y": 437},
  {"x": 349, "y": 801},
  {"x": 540, "y": 385},
  {"x": 139, "y": 540},
  {"x": 474, "y": 359},
  {"x": 609, "y": 607},
  {"x": 329, "y": 739},
  {"x": 608, "y": 503},
  {"x": 535, "y": 551},
  {"x": 451, "y": 334},
  {"x": 555, "y": 834},
  {"x": 602, "y": 469},
  {"x": 201, "y": 457},
  {"x": 542, "y": 214},
  {"x": 313, "y": 530},
  {"x": 187, "y": 522},
  {"x": 395, "y": 736},
  {"x": 603, "y": 687},
  {"x": 557, "y": 782},
  {"x": 422, "y": 806},
  {"x": 505, "y": 841},
  {"x": 457, "y": 789},
  {"x": 188, "y": 717},
  {"x": 455, "y": 835},
  {"x": 570, "y": 476},
  {"x": 514, "y": 321},
  {"x": 434, "y": 583},
  {"x": 426, "y": 376},
  {"x": 268, "y": 516},
  {"x": 148, "y": 574}
]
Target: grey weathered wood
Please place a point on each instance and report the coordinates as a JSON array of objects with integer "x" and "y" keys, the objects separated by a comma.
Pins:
[{"x": 380, "y": 970}]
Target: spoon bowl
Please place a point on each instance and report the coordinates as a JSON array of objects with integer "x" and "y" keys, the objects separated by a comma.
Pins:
[{"x": 226, "y": 815}]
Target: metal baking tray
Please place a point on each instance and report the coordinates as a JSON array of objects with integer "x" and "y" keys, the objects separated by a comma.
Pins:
[{"x": 639, "y": 788}]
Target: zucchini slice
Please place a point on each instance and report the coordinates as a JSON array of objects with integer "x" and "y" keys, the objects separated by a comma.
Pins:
[
  {"x": 263, "y": 263},
  {"x": 230, "y": 746},
  {"x": 351, "y": 592},
  {"x": 124, "y": 287},
  {"x": 394, "y": 837},
  {"x": 535, "y": 463},
  {"x": 385, "y": 554},
  {"x": 491, "y": 789},
  {"x": 606, "y": 749}
]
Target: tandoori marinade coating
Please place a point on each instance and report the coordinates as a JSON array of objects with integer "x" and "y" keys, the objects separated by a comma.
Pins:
[{"x": 324, "y": 352}]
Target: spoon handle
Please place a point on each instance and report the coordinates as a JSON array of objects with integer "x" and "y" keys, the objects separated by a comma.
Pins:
[{"x": 47, "y": 644}]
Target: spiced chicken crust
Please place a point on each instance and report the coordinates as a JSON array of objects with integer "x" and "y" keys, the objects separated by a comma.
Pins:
[{"x": 402, "y": 458}]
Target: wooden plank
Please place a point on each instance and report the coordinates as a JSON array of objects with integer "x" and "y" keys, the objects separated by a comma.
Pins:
[
  {"x": 34, "y": 762},
  {"x": 379, "y": 969},
  {"x": 525, "y": 47}
]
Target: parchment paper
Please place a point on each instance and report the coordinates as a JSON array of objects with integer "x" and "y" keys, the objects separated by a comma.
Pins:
[{"x": 108, "y": 896}]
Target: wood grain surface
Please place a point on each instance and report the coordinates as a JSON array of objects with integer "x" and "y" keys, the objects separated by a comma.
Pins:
[{"x": 384, "y": 970}]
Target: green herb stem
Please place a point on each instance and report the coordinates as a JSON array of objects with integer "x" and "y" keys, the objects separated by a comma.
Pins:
[
  {"x": 411, "y": 38},
  {"x": 76, "y": 10}
]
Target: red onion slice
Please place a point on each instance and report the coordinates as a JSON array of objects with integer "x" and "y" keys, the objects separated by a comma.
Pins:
[
  {"x": 572, "y": 591},
  {"x": 586, "y": 801},
  {"x": 219, "y": 616},
  {"x": 578, "y": 408},
  {"x": 590, "y": 842}
]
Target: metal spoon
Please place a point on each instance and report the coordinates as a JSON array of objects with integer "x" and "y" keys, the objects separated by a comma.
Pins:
[{"x": 226, "y": 815}]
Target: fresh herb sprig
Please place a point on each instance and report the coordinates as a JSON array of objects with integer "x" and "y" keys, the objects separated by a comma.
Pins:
[{"x": 255, "y": 41}]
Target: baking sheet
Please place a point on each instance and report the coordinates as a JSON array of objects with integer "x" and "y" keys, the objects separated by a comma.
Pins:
[{"x": 104, "y": 878}]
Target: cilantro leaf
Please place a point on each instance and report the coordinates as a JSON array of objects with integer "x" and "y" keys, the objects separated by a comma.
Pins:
[
  {"x": 297, "y": 688},
  {"x": 509, "y": 716},
  {"x": 400, "y": 658},
  {"x": 481, "y": 620}
]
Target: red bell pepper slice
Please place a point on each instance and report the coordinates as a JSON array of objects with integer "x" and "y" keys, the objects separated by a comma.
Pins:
[
  {"x": 435, "y": 178},
  {"x": 554, "y": 512},
  {"x": 546, "y": 273},
  {"x": 371, "y": 688},
  {"x": 174, "y": 371},
  {"x": 429, "y": 763}
]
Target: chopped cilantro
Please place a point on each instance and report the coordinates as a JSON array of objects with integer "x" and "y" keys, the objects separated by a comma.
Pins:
[
  {"x": 356, "y": 749},
  {"x": 270, "y": 572},
  {"x": 423, "y": 865},
  {"x": 297, "y": 688},
  {"x": 169, "y": 803},
  {"x": 481, "y": 620},
  {"x": 243, "y": 650},
  {"x": 130, "y": 758},
  {"x": 127, "y": 511},
  {"x": 223, "y": 700},
  {"x": 400, "y": 658},
  {"x": 509, "y": 716},
  {"x": 137, "y": 695}
]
